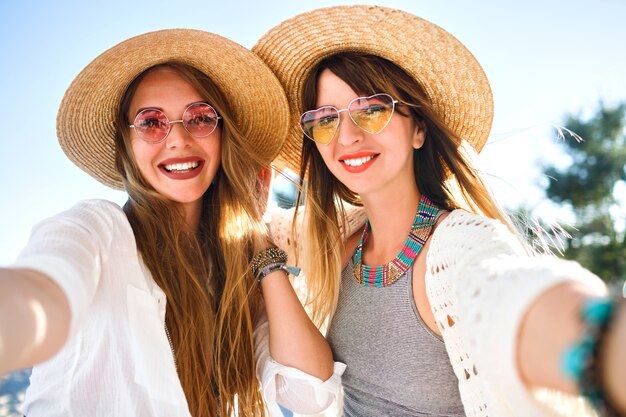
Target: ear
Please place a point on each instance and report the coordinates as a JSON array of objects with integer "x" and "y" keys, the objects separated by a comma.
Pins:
[
  {"x": 419, "y": 136},
  {"x": 266, "y": 179},
  {"x": 266, "y": 176}
]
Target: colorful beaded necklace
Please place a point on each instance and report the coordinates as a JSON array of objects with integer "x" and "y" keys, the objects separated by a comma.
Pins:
[{"x": 383, "y": 275}]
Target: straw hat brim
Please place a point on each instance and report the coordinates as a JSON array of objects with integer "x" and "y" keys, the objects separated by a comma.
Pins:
[
  {"x": 86, "y": 121},
  {"x": 451, "y": 76}
]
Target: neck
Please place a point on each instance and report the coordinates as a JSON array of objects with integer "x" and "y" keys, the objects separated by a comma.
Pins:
[
  {"x": 391, "y": 217},
  {"x": 191, "y": 212}
]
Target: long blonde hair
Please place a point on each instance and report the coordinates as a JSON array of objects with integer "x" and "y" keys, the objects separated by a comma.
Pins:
[
  {"x": 212, "y": 303},
  {"x": 442, "y": 172}
]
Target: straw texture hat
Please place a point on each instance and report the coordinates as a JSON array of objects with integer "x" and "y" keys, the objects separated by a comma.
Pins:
[
  {"x": 86, "y": 121},
  {"x": 452, "y": 78}
]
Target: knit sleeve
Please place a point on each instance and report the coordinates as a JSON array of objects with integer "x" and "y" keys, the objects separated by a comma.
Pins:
[
  {"x": 290, "y": 387},
  {"x": 70, "y": 249},
  {"x": 480, "y": 283}
]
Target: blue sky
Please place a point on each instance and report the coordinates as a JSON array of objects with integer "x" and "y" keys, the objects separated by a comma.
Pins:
[{"x": 543, "y": 58}]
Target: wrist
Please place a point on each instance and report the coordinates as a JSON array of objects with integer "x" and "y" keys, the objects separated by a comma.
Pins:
[
  {"x": 591, "y": 361},
  {"x": 270, "y": 260},
  {"x": 613, "y": 363}
]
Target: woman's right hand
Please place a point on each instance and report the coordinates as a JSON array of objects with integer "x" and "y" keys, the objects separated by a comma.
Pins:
[{"x": 34, "y": 318}]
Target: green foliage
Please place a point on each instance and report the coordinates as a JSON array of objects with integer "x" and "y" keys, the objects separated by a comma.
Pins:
[{"x": 598, "y": 161}]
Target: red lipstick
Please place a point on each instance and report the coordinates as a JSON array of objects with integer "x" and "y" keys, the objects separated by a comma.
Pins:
[
  {"x": 358, "y": 168},
  {"x": 192, "y": 167}
]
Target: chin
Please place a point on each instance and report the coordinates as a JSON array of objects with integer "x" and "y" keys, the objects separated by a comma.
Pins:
[
  {"x": 357, "y": 188},
  {"x": 184, "y": 198}
]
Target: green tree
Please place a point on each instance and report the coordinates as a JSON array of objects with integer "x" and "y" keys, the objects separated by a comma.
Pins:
[{"x": 597, "y": 148}]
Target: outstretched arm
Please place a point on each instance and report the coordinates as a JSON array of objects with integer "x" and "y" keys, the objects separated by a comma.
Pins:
[
  {"x": 34, "y": 318},
  {"x": 508, "y": 316}
]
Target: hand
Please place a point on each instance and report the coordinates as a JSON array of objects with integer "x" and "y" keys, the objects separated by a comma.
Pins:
[{"x": 34, "y": 318}]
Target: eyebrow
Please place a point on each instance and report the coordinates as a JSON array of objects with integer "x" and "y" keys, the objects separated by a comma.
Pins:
[{"x": 139, "y": 110}]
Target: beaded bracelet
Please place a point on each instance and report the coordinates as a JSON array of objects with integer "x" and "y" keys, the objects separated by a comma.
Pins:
[
  {"x": 581, "y": 361},
  {"x": 270, "y": 260}
]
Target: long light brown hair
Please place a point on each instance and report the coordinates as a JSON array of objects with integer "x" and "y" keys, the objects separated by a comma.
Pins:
[
  {"x": 212, "y": 303},
  {"x": 441, "y": 169}
]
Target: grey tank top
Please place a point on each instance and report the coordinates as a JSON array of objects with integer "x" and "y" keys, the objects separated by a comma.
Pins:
[{"x": 396, "y": 366}]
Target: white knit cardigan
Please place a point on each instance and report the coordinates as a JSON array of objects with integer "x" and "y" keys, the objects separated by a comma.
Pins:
[{"x": 480, "y": 281}]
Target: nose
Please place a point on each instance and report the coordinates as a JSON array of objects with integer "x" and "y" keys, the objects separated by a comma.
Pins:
[
  {"x": 348, "y": 132},
  {"x": 178, "y": 136}
]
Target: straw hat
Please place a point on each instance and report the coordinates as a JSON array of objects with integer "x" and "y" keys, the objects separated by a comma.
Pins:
[
  {"x": 86, "y": 122},
  {"x": 452, "y": 78}
]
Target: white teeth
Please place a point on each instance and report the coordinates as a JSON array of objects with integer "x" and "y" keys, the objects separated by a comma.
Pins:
[
  {"x": 185, "y": 166},
  {"x": 357, "y": 161}
]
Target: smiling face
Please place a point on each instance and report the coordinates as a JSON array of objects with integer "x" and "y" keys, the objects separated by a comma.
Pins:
[
  {"x": 180, "y": 168},
  {"x": 368, "y": 163}
]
